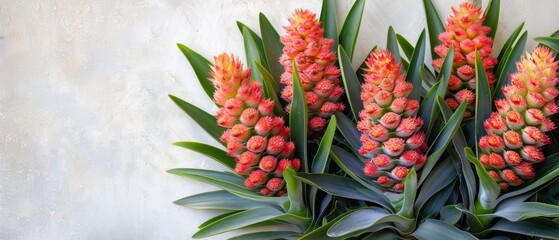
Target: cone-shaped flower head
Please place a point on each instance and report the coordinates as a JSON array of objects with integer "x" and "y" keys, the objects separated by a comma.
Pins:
[
  {"x": 255, "y": 137},
  {"x": 392, "y": 143},
  {"x": 305, "y": 44},
  {"x": 464, "y": 31},
  {"x": 517, "y": 130}
]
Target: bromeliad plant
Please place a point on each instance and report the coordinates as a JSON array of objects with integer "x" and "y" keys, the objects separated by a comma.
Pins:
[{"x": 415, "y": 153}]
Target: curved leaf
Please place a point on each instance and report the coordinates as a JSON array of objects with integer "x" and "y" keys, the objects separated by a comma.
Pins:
[
  {"x": 204, "y": 120},
  {"x": 351, "y": 83},
  {"x": 508, "y": 44},
  {"x": 328, "y": 21},
  {"x": 237, "y": 220},
  {"x": 438, "y": 147},
  {"x": 265, "y": 235},
  {"x": 416, "y": 62},
  {"x": 217, "y": 218},
  {"x": 525, "y": 210},
  {"x": 320, "y": 233},
  {"x": 435, "y": 205},
  {"x": 295, "y": 193},
  {"x": 407, "y": 48},
  {"x": 344, "y": 187},
  {"x": 226, "y": 181},
  {"x": 536, "y": 185},
  {"x": 392, "y": 44},
  {"x": 537, "y": 227},
  {"x": 439, "y": 178},
  {"x": 492, "y": 16},
  {"x": 350, "y": 29},
  {"x": 209, "y": 151},
  {"x": 483, "y": 97},
  {"x": 349, "y": 130},
  {"x": 353, "y": 166},
  {"x": 434, "y": 25},
  {"x": 273, "y": 48},
  {"x": 253, "y": 52},
  {"x": 410, "y": 192},
  {"x": 429, "y": 112},
  {"x": 551, "y": 42},
  {"x": 488, "y": 188},
  {"x": 508, "y": 64},
  {"x": 320, "y": 160},
  {"x": 220, "y": 200},
  {"x": 270, "y": 87},
  {"x": 450, "y": 214},
  {"x": 298, "y": 120},
  {"x": 363, "y": 219},
  {"x": 201, "y": 67},
  {"x": 432, "y": 229}
]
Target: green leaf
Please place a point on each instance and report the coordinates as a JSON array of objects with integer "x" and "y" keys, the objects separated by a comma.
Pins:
[
  {"x": 492, "y": 16},
  {"x": 220, "y": 200},
  {"x": 508, "y": 44},
  {"x": 236, "y": 221},
  {"x": 217, "y": 218},
  {"x": 349, "y": 130},
  {"x": 537, "y": 227},
  {"x": 459, "y": 142},
  {"x": 271, "y": 89},
  {"x": 443, "y": 139},
  {"x": 204, "y": 119},
  {"x": 226, "y": 181},
  {"x": 508, "y": 64},
  {"x": 273, "y": 48},
  {"x": 551, "y": 42},
  {"x": 429, "y": 112},
  {"x": 298, "y": 120},
  {"x": 406, "y": 46},
  {"x": 253, "y": 52},
  {"x": 320, "y": 233},
  {"x": 265, "y": 235},
  {"x": 488, "y": 188},
  {"x": 432, "y": 229},
  {"x": 295, "y": 193},
  {"x": 534, "y": 186},
  {"x": 353, "y": 166},
  {"x": 328, "y": 21},
  {"x": 209, "y": 151},
  {"x": 483, "y": 98},
  {"x": 434, "y": 25},
  {"x": 410, "y": 192},
  {"x": 364, "y": 219},
  {"x": 450, "y": 214},
  {"x": 433, "y": 207},
  {"x": 524, "y": 210},
  {"x": 392, "y": 44},
  {"x": 351, "y": 83},
  {"x": 320, "y": 160},
  {"x": 416, "y": 63},
  {"x": 350, "y": 29},
  {"x": 201, "y": 68},
  {"x": 446, "y": 71},
  {"x": 344, "y": 187},
  {"x": 442, "y": 176}
]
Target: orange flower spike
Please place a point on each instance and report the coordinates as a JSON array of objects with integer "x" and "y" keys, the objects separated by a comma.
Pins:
[
  {"x": 526, "y": 110},
  {"x": 304, "y": 43}
]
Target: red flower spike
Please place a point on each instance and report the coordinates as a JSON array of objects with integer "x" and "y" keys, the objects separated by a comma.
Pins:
[
  {"x": 274, "y": 184},
  {"x": 527, "y": 109}
]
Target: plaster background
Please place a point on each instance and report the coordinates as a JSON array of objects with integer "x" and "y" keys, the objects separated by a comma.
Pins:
[{"x": 85, "y": 122}]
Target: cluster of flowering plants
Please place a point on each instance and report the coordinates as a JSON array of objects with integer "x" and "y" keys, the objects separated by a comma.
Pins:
[{"x": 401, "y": 148}]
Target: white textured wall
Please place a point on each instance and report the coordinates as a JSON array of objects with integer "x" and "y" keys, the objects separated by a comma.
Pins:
[{"x": 85, "y": 122}]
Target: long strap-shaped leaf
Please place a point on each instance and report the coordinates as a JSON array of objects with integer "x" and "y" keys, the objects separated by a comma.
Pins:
[
  {"x": 272, "y": 47},
  {"x": 483, "y": 97},
  {"x": 363, "y": 220},
  {"x": 416, "y": 63},
  {"x": 410, "y": 192},
  {"x": 204, "y": 119},
  {"x": 537, "y": 227},
  {"x": 220, "y": 200},
  {"x": 441, "y": 177},
  {"x": 351, "y": 83},
  {"x": 432, "y": 229},
  {"x": 488, "y": 188},
  {"x": 434, "y": 25},
  {"x": 353, "y": 166},
  {"x": 209, "y": 151},
  {"x": 525, "y": 210},
  {"x": 507, "y": 58},
  {"x": 349, "y": 130},
  {"x": 392, "y": 44},
  {"x": 492, "y": 16},
  {"x": 298, "y": 120},
  {"x": 443, "y": 139},
  {"x": 551, "y": 42},
  {"x": 328, "y": 21},
  {"x": 350, "y": 29},
  {"x": 237, "y": 220},
  {"x": 253, "y": 52},
  {"x": 201, "y": 67}
]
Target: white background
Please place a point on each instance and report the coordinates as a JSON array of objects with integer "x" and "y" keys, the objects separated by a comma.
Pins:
[{"x": 85, "y": 122}]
